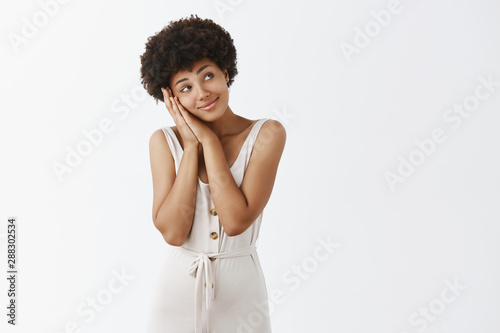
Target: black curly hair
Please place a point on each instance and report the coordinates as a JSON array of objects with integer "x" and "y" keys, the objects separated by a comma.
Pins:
[{"x": 181, "y": 43}]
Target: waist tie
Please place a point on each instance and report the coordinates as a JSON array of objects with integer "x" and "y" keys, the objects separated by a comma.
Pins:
[{"x": 202, "y": 267}]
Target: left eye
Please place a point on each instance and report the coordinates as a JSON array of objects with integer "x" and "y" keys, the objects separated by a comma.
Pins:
[{"x": 209, "y": 74}]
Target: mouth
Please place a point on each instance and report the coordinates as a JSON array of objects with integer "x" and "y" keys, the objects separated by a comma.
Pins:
[{"x": 210, "y": 105}]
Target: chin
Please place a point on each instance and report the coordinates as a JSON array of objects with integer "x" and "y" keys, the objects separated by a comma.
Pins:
[
  {"x": 211, "y": 115},
  {"x": 206, "y": 117}
]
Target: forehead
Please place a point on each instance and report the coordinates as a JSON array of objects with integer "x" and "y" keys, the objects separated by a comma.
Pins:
[{"x": 186, "y": 73}]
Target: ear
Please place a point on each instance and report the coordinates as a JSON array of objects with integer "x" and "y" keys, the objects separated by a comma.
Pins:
[{"x": 226, "y": 75}]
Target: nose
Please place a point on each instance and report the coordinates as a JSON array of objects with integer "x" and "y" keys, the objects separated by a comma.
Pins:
[{"x": 202, "y": 93}]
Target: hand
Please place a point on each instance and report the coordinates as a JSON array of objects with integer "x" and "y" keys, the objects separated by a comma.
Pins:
[
  {"x": 177, "y": 113},
  {"x": 202, "y": 132}
]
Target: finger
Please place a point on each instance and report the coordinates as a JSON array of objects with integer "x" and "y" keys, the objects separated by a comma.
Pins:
[
  {"x": 169, "y": 103},
  {"x": 166, "y": 98},
  {"x": 178, "y": 104},
  {"x": 172, "y": 108},
  {"x": 176, "y": 109},
  {"x": 182, "y": 110},
  {"x": 166, "y": 95}
]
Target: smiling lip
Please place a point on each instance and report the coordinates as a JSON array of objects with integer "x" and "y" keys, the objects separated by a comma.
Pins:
[{"x": 211, "y": 105}]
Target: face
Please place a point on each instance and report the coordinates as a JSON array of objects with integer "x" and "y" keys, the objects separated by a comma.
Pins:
[{"x": 197, "y": 89}]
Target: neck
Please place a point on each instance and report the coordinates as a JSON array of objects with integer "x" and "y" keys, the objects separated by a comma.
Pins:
[{"x": 225, "y": 125}]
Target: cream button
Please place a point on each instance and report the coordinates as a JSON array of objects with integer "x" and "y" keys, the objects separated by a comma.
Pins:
[
  {"x": 214, "y": 235},
  {"x": 213, "y": 212}
]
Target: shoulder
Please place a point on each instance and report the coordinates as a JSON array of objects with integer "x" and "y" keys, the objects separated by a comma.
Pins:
[
  {"x": 272, "y": 129},
  {"x": 157, "y": 137},
  {"x": 271, "y": 138},
  {"x": 158, "y": 143},
  {"x": 274, "y": 125}
]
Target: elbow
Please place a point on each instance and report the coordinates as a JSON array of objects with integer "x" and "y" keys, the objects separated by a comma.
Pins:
[
  {"x": 173, "y": 241},
  {"x": 170, "y": 237},
  {"x": 234, "y": 230},
  {"x": 232, "y": 234}
]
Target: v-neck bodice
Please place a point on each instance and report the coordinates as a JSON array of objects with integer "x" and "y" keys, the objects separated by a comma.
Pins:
[{"x": 250, "y": 139}]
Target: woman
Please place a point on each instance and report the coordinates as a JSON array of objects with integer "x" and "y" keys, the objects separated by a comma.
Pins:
[{"x": 213, "y": 174}]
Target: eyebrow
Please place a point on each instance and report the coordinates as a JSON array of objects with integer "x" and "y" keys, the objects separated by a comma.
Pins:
[{"x": 198, "y": 72}]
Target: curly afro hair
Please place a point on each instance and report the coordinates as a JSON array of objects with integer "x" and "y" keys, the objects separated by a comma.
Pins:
[{"x": 181, "y": 43}]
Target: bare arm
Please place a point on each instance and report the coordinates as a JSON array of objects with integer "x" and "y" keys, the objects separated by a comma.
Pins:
[
  {"x": 174, "y": 197},
  {"x": 236, "y": 207}
]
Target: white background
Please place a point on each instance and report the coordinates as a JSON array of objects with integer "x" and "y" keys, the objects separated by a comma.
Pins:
[{"x": 349, "y": 119}]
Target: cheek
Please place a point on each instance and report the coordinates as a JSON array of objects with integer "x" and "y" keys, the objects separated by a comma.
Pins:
[
  {"x": 187, "y": 103},
  {"x": 224, "y": 87},
  {"x": 222, "y": 92}
]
